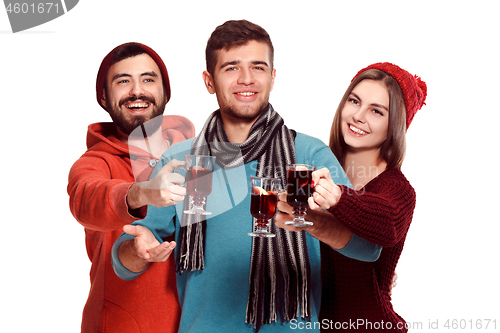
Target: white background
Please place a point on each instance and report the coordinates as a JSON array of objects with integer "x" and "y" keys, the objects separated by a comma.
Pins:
[{"x": 449, "y": 266}]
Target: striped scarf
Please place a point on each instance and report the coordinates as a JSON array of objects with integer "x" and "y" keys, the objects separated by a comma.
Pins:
[{"x": 280, "y": 269}]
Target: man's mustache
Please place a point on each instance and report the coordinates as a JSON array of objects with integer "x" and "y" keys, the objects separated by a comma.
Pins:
[{"x": 134, "y": 98}]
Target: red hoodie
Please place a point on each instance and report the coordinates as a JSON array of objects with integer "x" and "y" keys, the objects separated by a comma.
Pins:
[{"x": 98, "y": 184}]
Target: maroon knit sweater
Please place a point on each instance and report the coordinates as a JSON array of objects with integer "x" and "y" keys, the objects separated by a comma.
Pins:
[{"x": 355, "y": 291}]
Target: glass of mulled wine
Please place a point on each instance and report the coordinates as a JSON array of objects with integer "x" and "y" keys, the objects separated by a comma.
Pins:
[
  {"x": 299, "y": 189},
  {"x": 199, "y": 170},
  {"x": 264, "y": 198}
]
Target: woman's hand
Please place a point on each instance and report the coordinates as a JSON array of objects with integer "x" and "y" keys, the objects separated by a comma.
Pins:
[{"x": 326, "y": 192}]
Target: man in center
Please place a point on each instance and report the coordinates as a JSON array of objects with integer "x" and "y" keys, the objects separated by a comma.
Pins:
[{"x": 226, "y": 279}]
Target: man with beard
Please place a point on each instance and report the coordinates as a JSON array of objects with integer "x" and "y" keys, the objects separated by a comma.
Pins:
[
  {"x": 228, "y": 281},
  {"x": 109, "y": 188}
]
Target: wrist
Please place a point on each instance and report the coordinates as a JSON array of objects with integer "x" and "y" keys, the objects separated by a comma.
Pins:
[
  {"x": 134, "y": 196},
  {"x": 328, "y": 230},
  {"x": 130, "y": 259}
]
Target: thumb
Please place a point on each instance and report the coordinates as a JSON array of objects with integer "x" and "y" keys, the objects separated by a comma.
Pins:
[
  {"x": 133, "y": 230},
  {"x": 172, "y": 165},
  {"x": 321, "y": 173}
]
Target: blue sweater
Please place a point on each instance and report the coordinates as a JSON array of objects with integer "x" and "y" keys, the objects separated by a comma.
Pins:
[{"x": 216, "y": 297}]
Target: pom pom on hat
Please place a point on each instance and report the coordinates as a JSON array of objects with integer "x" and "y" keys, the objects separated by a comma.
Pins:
[
  {"x": 109, "y": 60},
  {"x": 413, "y": 88}
]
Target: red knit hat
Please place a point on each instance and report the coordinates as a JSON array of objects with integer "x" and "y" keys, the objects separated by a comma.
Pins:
[
  {"x": 116, "y": 55},
  {"x": 413, "y": 88}
]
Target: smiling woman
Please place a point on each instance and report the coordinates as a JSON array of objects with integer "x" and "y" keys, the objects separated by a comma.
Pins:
[
  {"x": 393, "y": 149},
  {"x": 368, "y": 133},
  {"x": 365, "y": 116}
]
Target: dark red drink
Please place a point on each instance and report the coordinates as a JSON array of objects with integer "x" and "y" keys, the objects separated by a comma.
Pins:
[
  {"x": 199, "y": 182},
  {"x": 298, "y": 187},
  {"x": 263, "y": 207},
  {"x": 264, "y": 199}
]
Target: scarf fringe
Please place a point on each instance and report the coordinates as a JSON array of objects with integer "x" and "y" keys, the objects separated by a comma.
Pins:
[{"x": 191, "y": 254}]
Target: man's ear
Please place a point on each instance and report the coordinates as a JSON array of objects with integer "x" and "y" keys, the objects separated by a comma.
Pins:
[
  {"x": 103, "y": 99},
  {"x": 209, "y": 82},
  {"x": 273, "y": 76}
]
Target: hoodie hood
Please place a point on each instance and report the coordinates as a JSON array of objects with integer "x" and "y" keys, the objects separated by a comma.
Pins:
[{"x": 103, "y": 136}]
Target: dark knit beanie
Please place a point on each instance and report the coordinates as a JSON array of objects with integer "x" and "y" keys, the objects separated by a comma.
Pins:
[
  {"x": 413, "y": 88},
  {"x": 116, "y": 55}
]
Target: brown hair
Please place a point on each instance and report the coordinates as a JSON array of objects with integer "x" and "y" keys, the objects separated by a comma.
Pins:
[
  {"x": 235, "y": 33},
  {"x": 394, "y": 148}
]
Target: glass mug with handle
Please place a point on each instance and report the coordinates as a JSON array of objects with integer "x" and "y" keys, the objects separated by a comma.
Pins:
[
  {"x": 199, "y": 169},
  {"x": 299, "y": 189},
  {"x": 264, "y": 199}
]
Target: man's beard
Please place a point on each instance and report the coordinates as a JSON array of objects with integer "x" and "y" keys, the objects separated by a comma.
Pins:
[
  {"x": 229, "y": 110},
  {"x": 128, "y": 123}
]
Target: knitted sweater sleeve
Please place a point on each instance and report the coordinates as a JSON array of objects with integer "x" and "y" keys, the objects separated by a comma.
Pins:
[{"x": 381, "y": 212}]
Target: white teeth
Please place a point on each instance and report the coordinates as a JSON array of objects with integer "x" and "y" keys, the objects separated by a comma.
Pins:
[
  {"x": 357, "y": 130},
  {"x": 137, "y": 105},
  {"x": 246, "y": 93}
]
